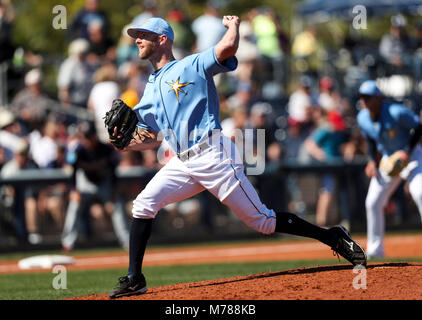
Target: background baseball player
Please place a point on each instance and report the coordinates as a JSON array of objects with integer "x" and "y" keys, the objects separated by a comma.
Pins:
[
  {"x": 394, "y": 131},
  {"x": 180, "y": 105},
  {"x": 94, "y": 167}
]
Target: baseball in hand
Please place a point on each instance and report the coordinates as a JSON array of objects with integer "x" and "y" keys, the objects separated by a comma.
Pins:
[{"x": 231, "y": 20}]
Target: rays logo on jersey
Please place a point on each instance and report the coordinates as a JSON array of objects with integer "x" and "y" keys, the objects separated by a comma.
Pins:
[{"x": 176, "y": 87}]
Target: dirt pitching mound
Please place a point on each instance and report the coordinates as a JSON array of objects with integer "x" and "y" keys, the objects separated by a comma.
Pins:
[{"x": 384, "y": 281}]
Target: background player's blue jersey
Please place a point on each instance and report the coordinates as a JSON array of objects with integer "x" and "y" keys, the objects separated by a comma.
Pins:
[
  {"x": 181, "y": 100},
  {"x": 391, "y": 131}
]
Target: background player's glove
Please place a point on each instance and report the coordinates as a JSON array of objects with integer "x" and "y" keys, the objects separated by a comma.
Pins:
[
  {"x": 122, "y": 117},
  {"x": 394, "y": 164}
]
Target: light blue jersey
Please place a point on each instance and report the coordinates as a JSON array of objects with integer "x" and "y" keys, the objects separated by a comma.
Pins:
[
  {"x": 391, "y": 131},
  {"x": 181, "y": 100}
]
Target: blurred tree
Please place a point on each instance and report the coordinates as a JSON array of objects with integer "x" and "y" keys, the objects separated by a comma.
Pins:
[{"x": 33, "y": 28}]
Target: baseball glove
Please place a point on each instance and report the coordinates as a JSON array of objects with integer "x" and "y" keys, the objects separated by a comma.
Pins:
[
  {"x": 122, "y": 117},
  {"x": 394, "y": 164}
]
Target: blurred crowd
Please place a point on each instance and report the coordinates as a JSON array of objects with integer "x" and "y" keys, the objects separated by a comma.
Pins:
[{"x": 302, "y": 94}]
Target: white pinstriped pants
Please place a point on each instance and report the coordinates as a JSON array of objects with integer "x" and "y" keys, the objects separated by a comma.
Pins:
[{"x": 214, "y": 169}]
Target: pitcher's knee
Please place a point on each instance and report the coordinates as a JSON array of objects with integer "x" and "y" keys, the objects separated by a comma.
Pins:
[{"x": 144, "y": 208}]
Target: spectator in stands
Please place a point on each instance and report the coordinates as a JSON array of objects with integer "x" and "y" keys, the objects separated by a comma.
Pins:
[
  {"x": 324, "y": 145},
  {"x": 291, "y": 147},
  {"x": 417, "y": 49},
  {"x": 10, "y": 133},
  {"x": 31, "y": 103},
  {"x": 394, "y": 47},
  {"x": 266, "y": 28},
  {"x": 293, "y": 140},
  {"x": 43, "y": 147},
  {"x": 127, "y": 50},
  {"x": 100, "y": 45},
  {"x": 94, "y": 170},
  {"x": 247, "y": 55},
  {"x": 242, "y": 97},
  {"x": 260, "y": 118},
  {"x": 248, "y": 49},
  {"x": 78, "y": 27},
  {"x": 150, "y": 10},
  {"x": 130, "y": 95},
  {"x": 234, "y": 126},
  {"x": 293, "y": 151},
  {"x": 305, "y": 42},
  {"x": 208, "y": 28},
  {"x": 130, "y": 189},
  {"x": 329, "y": 98},
  {"x": 75, "y": 75},
  {"x": 105, "y": 90},
  {"x": 24, "y": 198},
  {"x": 2, "y": 158},
  {"x": 185, "y": 39},
  {"x": 301, "y": 102},
  {"x": 305, "y": 50},
  {"x": 6, "y": 19},
  {"x": 51, "y": 199},
  {"x": 135, "y": 75}
]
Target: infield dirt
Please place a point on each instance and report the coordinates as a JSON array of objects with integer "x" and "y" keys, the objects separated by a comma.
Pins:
[{"x": 386, "y": 281}]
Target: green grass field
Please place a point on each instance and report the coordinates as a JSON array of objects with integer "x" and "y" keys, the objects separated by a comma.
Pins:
[{"x": 34, "y": 286}]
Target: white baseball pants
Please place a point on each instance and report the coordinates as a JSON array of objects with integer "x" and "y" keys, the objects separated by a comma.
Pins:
[
  {"x": 380, "y": 190},
  {"x": 214, "y": 169}
]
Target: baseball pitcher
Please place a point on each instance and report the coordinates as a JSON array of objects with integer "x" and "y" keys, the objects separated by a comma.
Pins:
[{"x": 180, "y": 105}]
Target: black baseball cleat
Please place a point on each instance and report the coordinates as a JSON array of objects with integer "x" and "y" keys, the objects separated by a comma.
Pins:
[
  {"x": 128, "y": 286},
  {"x": 347, "y": 247}
]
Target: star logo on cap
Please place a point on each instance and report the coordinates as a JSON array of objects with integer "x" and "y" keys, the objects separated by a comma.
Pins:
[
  {"x": 392, "y": 133},
  {"x": 176, "y": 87}
]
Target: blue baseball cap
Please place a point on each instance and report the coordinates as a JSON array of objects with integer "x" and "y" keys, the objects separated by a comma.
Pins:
[
  {"x": 369, "y": 88},
  {"x": 154, "y": 25}
]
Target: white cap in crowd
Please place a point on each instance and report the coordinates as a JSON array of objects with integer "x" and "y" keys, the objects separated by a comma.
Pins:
[
  {"x": 33, "y": 77},
  {"x": 78, "y": 46},
  {"x": 6, "y": 118}
]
